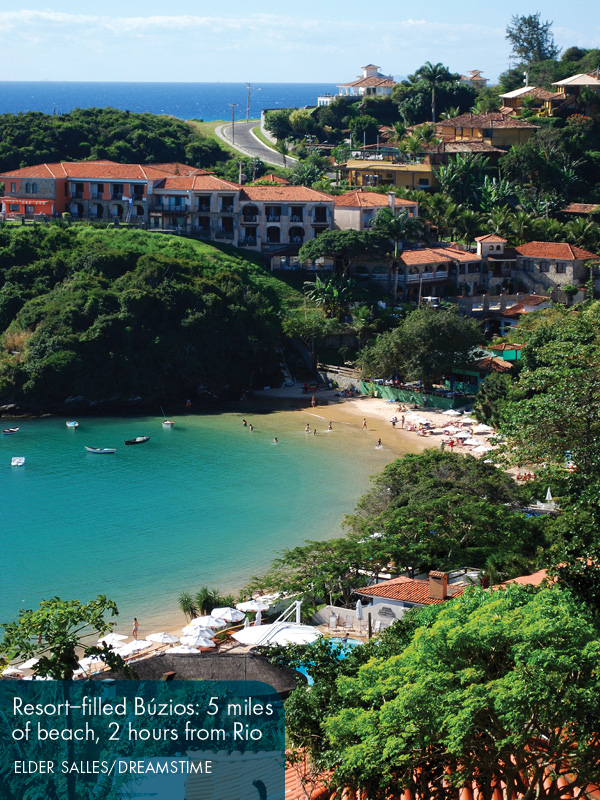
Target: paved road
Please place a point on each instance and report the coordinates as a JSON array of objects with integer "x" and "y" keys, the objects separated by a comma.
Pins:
[{"x": 249, "y": 145}]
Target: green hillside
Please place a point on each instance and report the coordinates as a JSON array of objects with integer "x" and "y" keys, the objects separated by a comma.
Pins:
[{"x": 105, "y": 313}]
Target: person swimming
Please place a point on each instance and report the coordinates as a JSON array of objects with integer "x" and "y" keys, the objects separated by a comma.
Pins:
[
  {"x": 250, "y": 427},
  {"x": 379, "y": 445},
  {"x": 275, "y": 440},
  {"x": 329, "y": 428},
  {"x": 244, "y": 423}
]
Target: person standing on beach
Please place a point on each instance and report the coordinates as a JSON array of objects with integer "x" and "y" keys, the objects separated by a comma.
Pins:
[
  {"x": 134, "y": 632},
  {"x": 307, "y": 429},
  {"x": 329, "y": 428},
  {"x": 402, "y": 420},
  {"x": 364, "y": 425}
]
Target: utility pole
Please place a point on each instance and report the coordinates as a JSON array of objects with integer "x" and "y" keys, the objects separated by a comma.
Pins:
[
  {"x": 249, "y": 87},
  {"x": 233, "y": 105}
]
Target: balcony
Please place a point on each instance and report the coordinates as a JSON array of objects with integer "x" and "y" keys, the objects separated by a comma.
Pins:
[
  {"x": 78, "y": 194},
  {"x": 223, "y": 234},
  {"x": 297, "y": 218},
  {"x": 250, "y": 241},
  {"x": 274, "y": 218},
  {"x": 249, "y": 219},
  {"x": 320, "y": 221},
  {"x": 202, "y": 233},
  {"x": 116, "y": 196},
  {"x": 97, "y": 195},
  {"x": 426, "y": 276},
  {"x": 203, "y": 207},
  {"x": 138, "y": 198},
  {"x": 226, "y": 209},
  {"x": 171, "y": 209}
]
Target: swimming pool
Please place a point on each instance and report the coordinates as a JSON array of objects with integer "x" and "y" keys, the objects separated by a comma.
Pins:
[{"x": 347, "y": 646}]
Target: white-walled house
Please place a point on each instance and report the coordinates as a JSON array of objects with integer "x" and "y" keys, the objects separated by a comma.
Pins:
[{"x": 356, "y": 210}]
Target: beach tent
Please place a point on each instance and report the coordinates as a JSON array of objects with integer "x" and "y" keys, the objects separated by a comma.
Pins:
[
  {"x": 11, "y": 672},
  {"x": 452, "y": 429},
  {"x": 277, "y": 633},
  {"x": 228, "y": 614},
  {"x": 462, "y": 435}
]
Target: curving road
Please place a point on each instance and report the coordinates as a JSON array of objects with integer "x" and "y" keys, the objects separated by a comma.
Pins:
[{"x": 248, "y": 144}]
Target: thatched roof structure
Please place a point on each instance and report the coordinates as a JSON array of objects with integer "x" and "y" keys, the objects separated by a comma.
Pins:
[{"x": 213, "y": 667}]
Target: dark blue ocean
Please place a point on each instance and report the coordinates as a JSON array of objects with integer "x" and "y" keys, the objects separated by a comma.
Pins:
[{"x": 207, "y": 101}]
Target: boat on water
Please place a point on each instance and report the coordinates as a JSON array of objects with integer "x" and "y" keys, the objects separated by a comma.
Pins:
[
  {"x": 17, "y": 461},
  {"x": 137, "y": 440},
  {"x": 168, "y": 423},
  {"x": 10, "y": 431},
  {"x": 71, "y": 423},
  {"x": 100, "y": 451}
]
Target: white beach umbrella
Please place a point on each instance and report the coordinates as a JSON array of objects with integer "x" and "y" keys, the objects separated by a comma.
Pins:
[
  {"x": 282, "y": 633},
  {"x": 451, "y": 429},
  {"x": 197, "y": 641},
  {"x": 246, "y": 622},
  {"x": 253, "y": 605},
  {"x": 473, "y": 442},
  {"x": 481, "y": 450},
  {"x": 29, "y": 664},
  {"x": 207, "y": 622},
  {"x": 193, "y": 630},
  {"x": 483, "y": 429},
  {"x": 451, "y": 412},
  {"x": 133, "y": 647},
  {"x": 462, "y": 435},
  {"x": 38, "y": 678},
  {"x": 469, "y": 421},
  {"x": 10, "y": 672},
  {"x": 184, "y": 649},
  {"x": 258, "y": 620},
  {"x": 549, "y": 499},
  {"x": 90, "y": 661},
  {"x": 228, "y": 614},
  {"x": 114, "y": 639},
  {"x": 162, "y": 638}
]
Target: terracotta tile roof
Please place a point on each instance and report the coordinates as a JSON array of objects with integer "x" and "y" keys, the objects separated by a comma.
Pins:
[
  {"x": 370, "y": 82},
  {"x": 493, "y": 364},
  {"x": 272, "y": 179},
  {"x": 527, "y": 301},
  {"x": 197, "y": 183},
  {"x": 489, "y": 237},
  {"x": 101, "y": 170},
  {"x": 362, "y": 199},
  {"x": 529, "y": 580},
  {"x": 408, "y": 590},
  {"x": 449, "y": 145},
  {"x": 580, "y": 208},
  {"x": 424, "y": 256},
  {"x": 560, "y": 250},
  {"x": 300, "y": 785},
  {"x": 284, "y": 194},
  {"x": 490, "y": 119},
  {"x": 531, "y": 91},
  {"x": 500, "y": 348}
]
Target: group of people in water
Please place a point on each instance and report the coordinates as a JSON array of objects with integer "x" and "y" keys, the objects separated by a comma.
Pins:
[{"x": 314, "y": 430}]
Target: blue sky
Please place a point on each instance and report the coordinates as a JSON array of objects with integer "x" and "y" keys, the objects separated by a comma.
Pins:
[{"x": 311, "y": 40}]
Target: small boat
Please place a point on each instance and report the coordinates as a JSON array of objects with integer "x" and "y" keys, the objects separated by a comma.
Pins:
[
  {"x": 17, "y": 461},
  {"x": 71, "y": 423},
  {"x": 137, "y": 440},
  {"x": 168, "y": 423},
  {"x": 100, "y": 451},
  {"x": 10, "y": 431}
]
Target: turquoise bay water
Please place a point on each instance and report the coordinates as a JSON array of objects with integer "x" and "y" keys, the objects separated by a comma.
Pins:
[{"x": 205, "y": 503}]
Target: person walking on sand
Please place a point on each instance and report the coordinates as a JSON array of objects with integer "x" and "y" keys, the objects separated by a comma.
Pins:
[
  {"x": 307, "y": 429},
  {"x": 134, "y": 632},
  {"x": 364, "y": 425},
  {"x": 313, "y": 402}
]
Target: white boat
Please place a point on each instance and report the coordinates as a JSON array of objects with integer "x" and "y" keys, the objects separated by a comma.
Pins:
[
  {"x": 17, "y": 461},
  {"x": 168, "y": 423},
  {"x": 100, "y": 451},
  {"x": 71, "y": 423},
  {"x": 10, "y": 431}
]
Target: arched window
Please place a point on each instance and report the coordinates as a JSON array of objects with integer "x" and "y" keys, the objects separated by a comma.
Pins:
[
  {"x": 498, "y": 247},
  {"x": 28, "y": 188},
  {"x": 34, "y": 188}
]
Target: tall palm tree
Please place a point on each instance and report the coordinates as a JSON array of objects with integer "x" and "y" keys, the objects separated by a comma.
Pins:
[
  {"x": 500, "y": 221},
  {"x": 521, "y": 227},
  {"x": 450, "y": 113},
  {"x": 467, "y": 225},
  {"x": 414, "y": 145},
  {"x": 438, "y": 208},
  {"x": 434, "y": 75},
  {"x": 188, "y": 605},
  {"x": 396, "y": 227},
  {"x": 583, "y": 233}
]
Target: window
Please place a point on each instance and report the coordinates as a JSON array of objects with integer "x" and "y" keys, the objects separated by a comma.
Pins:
[
  {"x": 561, "y": 268},
  {"x": 34, "y": 188},
  {"x": 13, "y": 207},
  {"x": 423, "y": 181},
  {"x": 498, "y": 247},
  {"x": 13, "y": 187},
  {"x": 528, "y": 265},
  {"x": 488, "y": 133},
  {"x": 27, "y": 188},
  {"x": 544, "y": 266}
]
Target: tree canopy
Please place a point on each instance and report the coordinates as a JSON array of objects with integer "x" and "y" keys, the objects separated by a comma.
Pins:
[{"x": 531, "y": 39}]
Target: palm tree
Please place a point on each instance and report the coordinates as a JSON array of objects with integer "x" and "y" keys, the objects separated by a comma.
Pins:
[
  {"x": 521, "y": 227},
  {"x": 549, "y": 230},
  {"x": 188, "y": 605},
  {"x": 333, "y": 296},
  {"x": 398, "y": 132},
  {"x": 283, "y": 149},
  {"x": 583, "y": 233},
  {"x": 500, "y": 221},
  {"x": 414, "y": 145},
  {"x": 450, "y": 113},
  {"x": 467, "y": 225},
  {"x": 395, "y": 227},
  {"x": 207, "y": 599},
  {"x": 439, "y": 208},
  {"x": 434, "y": 75}
]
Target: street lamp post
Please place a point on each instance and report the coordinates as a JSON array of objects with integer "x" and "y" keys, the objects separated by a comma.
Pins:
[
  {"x": 233, "y": 105},
  {"x": 249, "y": 87}
]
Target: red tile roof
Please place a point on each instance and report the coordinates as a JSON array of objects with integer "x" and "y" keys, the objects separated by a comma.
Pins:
[
  {"x": 197, "y": 183},
  {"x": 102, "y": 170},
  {"x": 434, "y": 255},
  {"x": 408, "y": 590},
  {"x": 580, "y": 208},
  {"x": 490, "y": 119},
  {"x": 529, "y": 580},
  {"x": 527, "y": 301},
  {"x": 489, "y": 237},
  {"x": 300, "y": 784},
  {"x": 493, "y": 364},
  {"x": 284, "y": 194},
  {"x": 361, "y": 199},
  {"x": 370, "y": 82},
  {"x": 272, "y": 178},
  {"x": 560, "y": 250},
  {"x": 505, "y": 346}
]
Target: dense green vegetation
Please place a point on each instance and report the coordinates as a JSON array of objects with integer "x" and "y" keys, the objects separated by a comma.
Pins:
[
  {"x": 108, "y": 313},
  {"x": 102, "y": 133}
]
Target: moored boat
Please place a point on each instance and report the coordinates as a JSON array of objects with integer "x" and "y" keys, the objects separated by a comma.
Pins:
[
  {"x": 100, "y": 451},
  {"x": 17, "y": 461},
  {"x": 71, "y": 423},
  {"x": 10, "y": 431},
  {"x": 168, "y": 423},
  {"x": 137, "y": 440}
]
